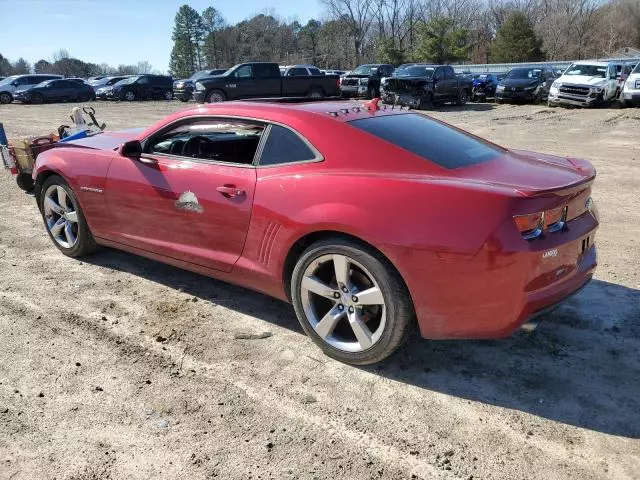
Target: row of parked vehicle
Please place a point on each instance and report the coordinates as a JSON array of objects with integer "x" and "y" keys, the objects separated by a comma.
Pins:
[
  {"x": 584, "y": 83},
  {"x": 42, "y": 88}
]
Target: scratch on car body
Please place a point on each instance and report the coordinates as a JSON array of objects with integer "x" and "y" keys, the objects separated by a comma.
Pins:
[{"x": 188, "y": 201}]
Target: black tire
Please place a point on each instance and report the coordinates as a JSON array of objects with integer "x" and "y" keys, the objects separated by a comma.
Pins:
[
  {"x": 463, "y": 96},
  {"x": 6, "y": 97},
  {"x": 426, "y": 102},
  {"x": 129, "y": 96},
  {"x": 400, "y": 316},
  {"x": 215, "y": 96},
  {"x": 499, "y": 101},
  {"x": 85, "y": 244},
  {"x": 183, "y": 99},
  {"x": 24, "y": 181},
  {"x": 37, "y": 98},
  {"x": 371, "y": 93},
  {"x": 316, "y": 93},
  {"x": 168, "y": 95}
]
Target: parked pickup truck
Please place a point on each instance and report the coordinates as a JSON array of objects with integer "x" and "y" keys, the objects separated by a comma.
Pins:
[
  {"x": 262, "y": 79},
  {"x": 631, "y": 91},
  {"x": 586, "y": 83},
  {"x": 424, "y": 86},
  {"x": 365, "y": 80}
]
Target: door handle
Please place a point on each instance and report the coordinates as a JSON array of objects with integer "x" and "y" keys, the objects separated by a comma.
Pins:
[{"x": 230, "y": 191}]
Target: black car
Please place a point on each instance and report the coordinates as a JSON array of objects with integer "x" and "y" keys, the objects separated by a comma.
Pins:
[
  {"x": 102, "y": 86},
  {"x": 142, "y": 87},
  {"x": 183, "y": 89},
  {"x": 64, "y": 90},
  {"x": 530, "y": 84},
  {"x": 364, "y": 81}
]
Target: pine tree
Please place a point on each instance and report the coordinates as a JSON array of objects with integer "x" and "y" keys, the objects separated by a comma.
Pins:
[
  {"x": 213, "y": 22},
  {"x": 442, "y": 41},
  {"x": 516, "y": 41},
  {"x": 188, "y": 33}
]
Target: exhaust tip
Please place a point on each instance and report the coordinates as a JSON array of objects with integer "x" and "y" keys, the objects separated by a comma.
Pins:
[{"x": 529, "y": 326}]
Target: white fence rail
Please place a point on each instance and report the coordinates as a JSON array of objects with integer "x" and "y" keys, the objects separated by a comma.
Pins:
[{"x": 505, "y": 67}]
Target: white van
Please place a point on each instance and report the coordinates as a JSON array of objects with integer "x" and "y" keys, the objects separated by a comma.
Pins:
[
  {"x": 631, "y": 91},
  {"x": 19, "y": 82},
  {"x": 586, "y": 83}
]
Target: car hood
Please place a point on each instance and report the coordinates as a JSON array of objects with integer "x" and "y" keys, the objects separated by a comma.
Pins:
[
  {"x": 529, "y": 173},
  {"x": 519, "y": 82},
  {"x": 581, "y": 80},
  {"x": 106, "y": 140},
  {"x": 24, "y": 90}
]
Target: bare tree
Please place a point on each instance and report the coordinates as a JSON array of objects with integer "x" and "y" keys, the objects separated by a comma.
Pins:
[{"x": 357, "y": 15}]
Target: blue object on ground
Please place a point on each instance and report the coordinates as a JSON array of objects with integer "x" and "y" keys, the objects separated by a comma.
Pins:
[
  {"x": 3, "y": 136},
  {"x": 75, "y": 136}
]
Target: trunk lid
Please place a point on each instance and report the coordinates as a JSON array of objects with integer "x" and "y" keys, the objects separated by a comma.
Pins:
[{"x": 532, "y": 174}]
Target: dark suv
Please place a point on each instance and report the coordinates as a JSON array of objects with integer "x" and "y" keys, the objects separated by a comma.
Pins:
[
  {"x": 142, "y": 87},
  {"x": 364, "y": 81}
]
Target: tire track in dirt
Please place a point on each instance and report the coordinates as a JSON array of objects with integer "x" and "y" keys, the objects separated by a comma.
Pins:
[{"x": 143, "y": 345}]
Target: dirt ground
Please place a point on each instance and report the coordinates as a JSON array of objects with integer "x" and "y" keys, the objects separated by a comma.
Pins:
[{"x": 117, "y": 367}]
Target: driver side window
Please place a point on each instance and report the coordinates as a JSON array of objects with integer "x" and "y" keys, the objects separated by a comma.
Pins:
[
  {"x": 245, "y": 71},
  {"x": 211, "y": 139}
]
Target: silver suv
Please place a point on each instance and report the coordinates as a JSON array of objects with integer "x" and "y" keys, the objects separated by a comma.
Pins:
[{"x": 20, "y": 82}]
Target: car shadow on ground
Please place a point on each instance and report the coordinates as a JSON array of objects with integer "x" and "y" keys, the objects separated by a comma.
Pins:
[
  {"x": 467, "y": 107},
  {"x": 580, "y": 367}
]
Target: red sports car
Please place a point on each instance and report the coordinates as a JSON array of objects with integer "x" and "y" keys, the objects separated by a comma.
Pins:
[{"x": 367, "y": 218}]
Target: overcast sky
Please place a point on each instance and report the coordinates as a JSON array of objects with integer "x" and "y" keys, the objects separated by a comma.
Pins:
[{"x": 116, "y": 31}]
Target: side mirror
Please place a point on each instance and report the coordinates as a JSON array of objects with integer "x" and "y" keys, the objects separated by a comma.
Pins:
[{"x": 131, "y": 149}]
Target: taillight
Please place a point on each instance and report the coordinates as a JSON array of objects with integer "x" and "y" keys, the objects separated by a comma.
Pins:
[
  {"x": 554, "y": 219},
  {"x": 530, "y": 225}
]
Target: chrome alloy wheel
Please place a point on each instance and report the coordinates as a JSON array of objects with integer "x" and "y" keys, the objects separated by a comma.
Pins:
[
  {"x": 343, "y": 303},
  {"x": 61, "y": 216}
]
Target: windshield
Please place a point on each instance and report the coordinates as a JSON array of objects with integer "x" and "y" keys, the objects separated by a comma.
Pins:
[
  {"x": 365, "y": 70},
  {"x": 127, "y": 81},
  {"x": 199, "y": 75},
  {"x": 112, "y": 81},
  {"x": 637, "y": 69},
  {"x": 415, "y": 71},
  {"x": 587, "y": 70},
  {"x": 8, "y": 80},
  {"x": 524, "y": 73}
]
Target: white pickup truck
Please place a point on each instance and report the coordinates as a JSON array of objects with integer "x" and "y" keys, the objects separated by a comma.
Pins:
[
  {"x": 586, "y": 83},
  {"x": 630, "y": 94}
]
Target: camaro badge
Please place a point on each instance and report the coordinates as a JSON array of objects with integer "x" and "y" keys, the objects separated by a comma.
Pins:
[
  {"x": 550, "y": 253},
  {"x": 188, "y": 201}
]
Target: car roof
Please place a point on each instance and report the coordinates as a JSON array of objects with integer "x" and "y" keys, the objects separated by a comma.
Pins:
[
  {"x": 339, "y": 110},
  {"x": 598, "y": 63}
]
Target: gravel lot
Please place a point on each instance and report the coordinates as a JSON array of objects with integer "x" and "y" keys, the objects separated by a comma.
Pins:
[{"x": 118, "y": 367}]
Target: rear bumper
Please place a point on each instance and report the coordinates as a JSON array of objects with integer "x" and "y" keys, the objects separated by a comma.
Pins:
[{"x": 506, "y": 284}]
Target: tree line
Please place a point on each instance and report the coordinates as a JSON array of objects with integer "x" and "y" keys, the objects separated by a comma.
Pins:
[
  {"x": 398, "y": 31},
  {"x": 61, "y": 63},
  {"x": 351, "y": 32}
]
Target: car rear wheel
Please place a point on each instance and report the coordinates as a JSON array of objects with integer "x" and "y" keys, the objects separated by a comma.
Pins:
[
  {"x": 168, "y": 95},
  {"x": 5, "y": 97},
  {"x": 216, "y": 96},
  {"x": 351, "y": 301},
  {"x": 129, "y": 96},
  {"x": 64, "y": 219},
  {"x": 315, "y": 93},
  {"x": 426, "y": 102},
  {"x": 37, "y": 98}
]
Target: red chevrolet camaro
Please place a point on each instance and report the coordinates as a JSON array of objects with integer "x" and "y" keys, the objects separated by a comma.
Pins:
[{"x": 368, "y": 219}]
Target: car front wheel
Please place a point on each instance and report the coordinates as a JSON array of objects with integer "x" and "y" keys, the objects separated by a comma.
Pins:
[
  {"x": 64, "y": 219},
  {"x": 129, "y": 96},
  {"x": 5, "y": 97},
  {"x": 351, "y": 302}
]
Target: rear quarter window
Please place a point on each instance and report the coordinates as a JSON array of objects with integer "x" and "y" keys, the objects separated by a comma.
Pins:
[
  {"x": 284, "y": 146},
  {"x": 429, "y": 139}
]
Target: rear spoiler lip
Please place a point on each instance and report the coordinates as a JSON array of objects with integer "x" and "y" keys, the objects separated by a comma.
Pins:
[{"x": 560, "y": 191}]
